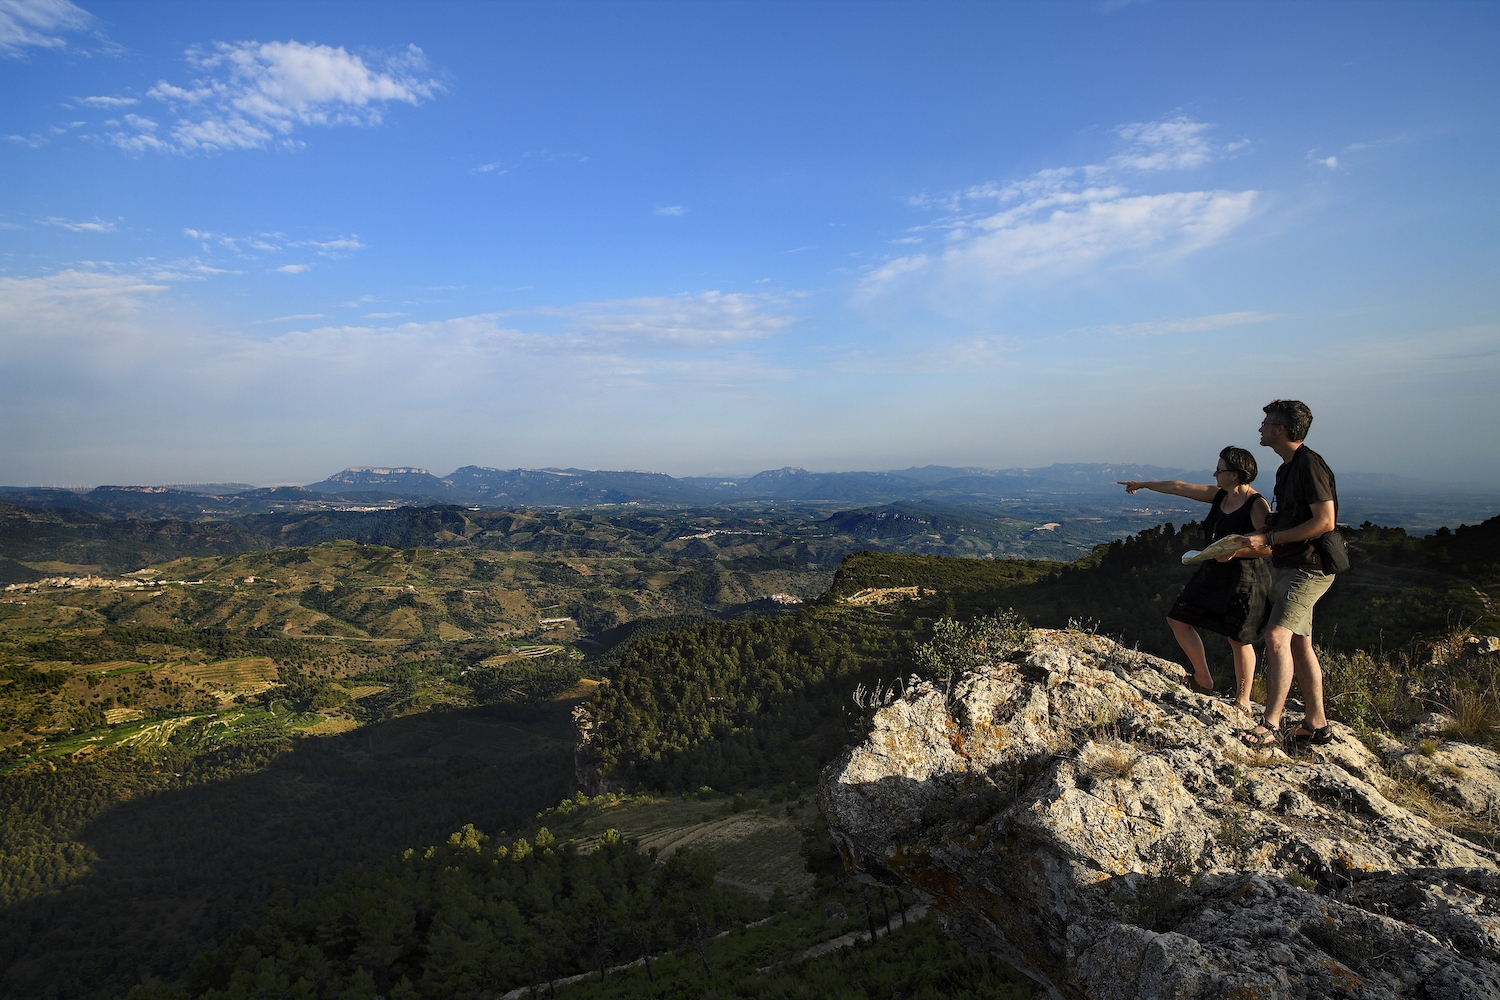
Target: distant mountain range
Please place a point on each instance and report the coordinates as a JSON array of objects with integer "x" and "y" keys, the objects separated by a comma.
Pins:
[
  {"x": 583, "y": 487},
  {"x": 1063, "y": 489}
]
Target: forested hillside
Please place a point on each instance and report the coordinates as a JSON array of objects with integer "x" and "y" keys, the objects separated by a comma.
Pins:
[
  {"x": 191, "y": 744},
  {"x": 720, "y": 706}
]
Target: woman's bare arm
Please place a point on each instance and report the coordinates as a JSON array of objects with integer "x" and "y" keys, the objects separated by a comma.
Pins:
[{"x": 1175, "y": 487}]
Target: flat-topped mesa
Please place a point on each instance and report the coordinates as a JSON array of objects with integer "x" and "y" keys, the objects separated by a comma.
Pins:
[{"x": 1077, "y": 811}]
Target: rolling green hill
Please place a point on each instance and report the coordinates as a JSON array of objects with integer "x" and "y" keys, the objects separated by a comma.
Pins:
[{"x": 226, "y": 732}]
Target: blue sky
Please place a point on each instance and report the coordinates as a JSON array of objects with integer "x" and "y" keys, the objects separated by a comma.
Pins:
[{"x": 263, "y": 241}]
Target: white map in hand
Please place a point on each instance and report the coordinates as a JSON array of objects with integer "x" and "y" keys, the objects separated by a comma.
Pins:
[{"x": 1224, "y": 546}]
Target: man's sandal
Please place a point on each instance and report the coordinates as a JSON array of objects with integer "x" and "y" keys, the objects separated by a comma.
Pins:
[
  {"x": 1318, "y": 736},
  {"x": 1263, "y": 737},
  {"x": 1193, "y": 685}
]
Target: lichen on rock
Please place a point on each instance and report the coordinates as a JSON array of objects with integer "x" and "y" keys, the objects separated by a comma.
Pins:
[{"x": 1079, "y": 812}]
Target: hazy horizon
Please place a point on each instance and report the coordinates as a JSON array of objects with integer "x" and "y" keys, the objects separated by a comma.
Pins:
[
  {"x": 260, "y": 243},
  {"x": 1202, "y": 473}
]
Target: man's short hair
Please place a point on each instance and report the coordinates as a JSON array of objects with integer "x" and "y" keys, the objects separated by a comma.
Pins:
[
  {"x": 1292, "y": 414},
  {"x": 1242, "y": 462}
]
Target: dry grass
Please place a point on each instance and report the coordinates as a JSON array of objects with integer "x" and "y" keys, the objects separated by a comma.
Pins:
[
  {"x": 1113, "y": 760},
  {"x": 1389, "y": 690},
  {"x": 1475, "y": 716},
  {"x": 1412, "y": 795},
  {"x": 882, "y": 595}
]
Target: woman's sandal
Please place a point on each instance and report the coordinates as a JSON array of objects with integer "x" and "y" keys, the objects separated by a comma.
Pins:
[
  {"x": 1317, "y": 736},
  {"x": 1263, "y": 737},
  {"x": 1193, "y": 685}
]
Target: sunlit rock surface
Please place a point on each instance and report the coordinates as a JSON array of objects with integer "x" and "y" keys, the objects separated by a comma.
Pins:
[{"x": 1083, "y": 815}]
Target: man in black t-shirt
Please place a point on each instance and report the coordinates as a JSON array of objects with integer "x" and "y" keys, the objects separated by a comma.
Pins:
[{"x": 1306, "y": 510}]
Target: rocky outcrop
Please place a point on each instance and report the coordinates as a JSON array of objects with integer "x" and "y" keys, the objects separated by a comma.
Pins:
[
  {"x": 1076, "y": 810},
  {"x": 587, "y": 772}
]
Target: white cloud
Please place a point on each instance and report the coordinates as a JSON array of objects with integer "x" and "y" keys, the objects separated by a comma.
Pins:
[
  {"x": 77, "y": 305},
  {"x": 108, "y": 102},
  {"x": 189, "y": 270},
  {"x": 701, "y": 321},
  {"x": 1063, "y": 220},
  {"x": 391, "y": 315},
  {"x": 1331, "y": 162},
  {"x": 41, "y": 24},
  {"x": 95, "y": 225},
  {"x": 670, "y": 210},
  {"x": 328, "y": 248},
  {"x": 1197, "y": 324},
  {"x": 255, "y": 248},
  {"x": 1174, "y": 144},
  {"x": 256, "y": 94},
  {"x": 287, "y": 319}
]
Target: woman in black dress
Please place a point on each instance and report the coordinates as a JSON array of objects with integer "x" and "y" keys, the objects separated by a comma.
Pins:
[{"x": 1230, "y": 596}]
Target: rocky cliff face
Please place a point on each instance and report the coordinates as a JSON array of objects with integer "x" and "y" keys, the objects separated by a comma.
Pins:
[{"x": 1079, "y": 812}]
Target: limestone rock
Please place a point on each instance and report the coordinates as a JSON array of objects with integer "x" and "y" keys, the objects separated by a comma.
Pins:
[
  {"x": 1080, "y": 813},
  {"x": 1467, "y": 776}
]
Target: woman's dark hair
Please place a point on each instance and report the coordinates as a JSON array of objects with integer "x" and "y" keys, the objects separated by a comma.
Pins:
[{"x": 1242, "y": 462}]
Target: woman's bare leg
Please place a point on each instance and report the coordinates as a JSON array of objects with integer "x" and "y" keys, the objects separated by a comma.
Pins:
[
  {"x": 1244, "y": 673},
  {"x": 1192, "y": 644}
]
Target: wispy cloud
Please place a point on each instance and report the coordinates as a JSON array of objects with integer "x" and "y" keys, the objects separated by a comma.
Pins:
[
  {"x": 86, "y": 302},
  {"x": 256, "y": 94},
  {"x": 38, "y": 24},
  {"x": 1331, "y": 162},
  {"x": 388, "y": 315},
  {"x": 287, "y": 319},
  {"x": 1196, "y": 324},
  {"x": 94, "y": 225},
  {"x": 1061, "y": 220},
  {"x": 109, "y": 102},
  {"x": 191, "y": 269},
  {"x": 1173, "y": 144},
  {"x": 257, "y": 247},
  {"x": 333, "y": 248},
  {"x": 694, "y": 322},
  {"x": 670, "y": 210}
]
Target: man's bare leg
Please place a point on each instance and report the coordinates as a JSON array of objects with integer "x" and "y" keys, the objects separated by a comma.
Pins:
[
  {"x": 1279, "y": 672},
  {"x": 1310, "y": 682},
  {"x": 1192, "y": 644},
  {"x": 1244, "y": 673}
]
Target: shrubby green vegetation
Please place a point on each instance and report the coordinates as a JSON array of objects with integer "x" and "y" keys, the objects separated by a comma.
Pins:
[
  {"x": 473, "y": 917},
  {"x": 130, "y": 863},
  {"x": 135, "y": 846},
  {"x": 739, "y": 704}
]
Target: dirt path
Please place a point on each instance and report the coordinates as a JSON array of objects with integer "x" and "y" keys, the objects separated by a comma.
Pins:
[{"x": 914, "y": 912}]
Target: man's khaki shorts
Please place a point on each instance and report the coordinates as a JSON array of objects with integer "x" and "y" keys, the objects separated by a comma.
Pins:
[{"x": 1297, "y": 590}]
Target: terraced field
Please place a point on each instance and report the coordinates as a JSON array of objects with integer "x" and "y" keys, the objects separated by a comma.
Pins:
[{"x": 758, "y": 847}]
